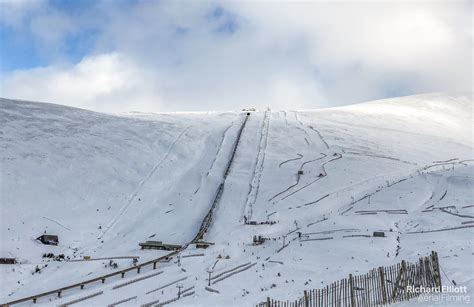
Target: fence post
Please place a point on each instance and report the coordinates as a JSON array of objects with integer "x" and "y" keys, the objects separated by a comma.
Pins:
[
  {"x": 399, "y": 272},
  {"x": 421, "y": 273},
  {"x": 268, "y": 301},
  {"x": 382, "y": 282},
  {"x": 404, "y": 284},
  {"x": 351, "y": 286},
  {"x": 437, "y": 274},
  {"x": 306, "y": 301}
]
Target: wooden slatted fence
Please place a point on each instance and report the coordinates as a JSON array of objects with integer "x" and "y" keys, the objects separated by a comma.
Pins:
[{"x": 379, "y": 287}]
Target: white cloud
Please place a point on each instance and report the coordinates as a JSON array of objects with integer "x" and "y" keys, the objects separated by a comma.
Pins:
[
  {"x": 171, "y": 56},
  {"x": 52, "y": 28},
  {"x": 14, "y": 13},
  {"x": 420, "y": 37},
  {"x": 103, "y": 82}
]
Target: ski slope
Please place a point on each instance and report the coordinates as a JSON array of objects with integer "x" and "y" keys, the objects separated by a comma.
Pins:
[{"x": 106, "y": 182}]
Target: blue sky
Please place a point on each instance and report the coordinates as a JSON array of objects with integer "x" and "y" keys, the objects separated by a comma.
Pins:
[
  {"x": 20, "y": 48},
  {"x": 17, "y": 52},
  {"x": 176, "y": 55}
]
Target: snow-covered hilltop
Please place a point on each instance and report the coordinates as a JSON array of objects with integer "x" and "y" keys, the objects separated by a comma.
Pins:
[{"x": 322, "y": 180}]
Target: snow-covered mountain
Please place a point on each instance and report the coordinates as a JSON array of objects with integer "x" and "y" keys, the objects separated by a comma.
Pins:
[{"x": 104, "y": 183}]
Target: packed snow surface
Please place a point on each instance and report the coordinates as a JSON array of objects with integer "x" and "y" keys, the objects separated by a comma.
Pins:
[{"x": 104, "y": 183}]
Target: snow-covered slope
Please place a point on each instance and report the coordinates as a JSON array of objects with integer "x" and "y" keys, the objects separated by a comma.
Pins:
[
  {"x": 103, "y": 183},
  {"x": 106, "y": 182}
]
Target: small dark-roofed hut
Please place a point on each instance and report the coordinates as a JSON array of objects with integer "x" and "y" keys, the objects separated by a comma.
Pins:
[
  {"x": 48, "y": 239},
  {"x": 202, "y": 244},
  {"x": 379, "y": 234}
]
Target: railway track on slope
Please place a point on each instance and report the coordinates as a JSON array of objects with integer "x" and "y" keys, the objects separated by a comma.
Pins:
[
  {"x": 138, "y": 267},
  {"x": 208, "y": 218}
]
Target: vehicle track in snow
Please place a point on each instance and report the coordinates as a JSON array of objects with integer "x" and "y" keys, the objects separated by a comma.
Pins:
[
  {"x": 141, "y": 184},
  {"x": 308, "y": 140},
  {"x": 297, "y": 119},
  {"x": 379, "y": 157},
  {"x": 286, "y": 118},
  {"x": 258, "y": 168},
  {"x": 219, "y": 147},
  {"x": 309, "y": 161},
  {"x": 457, "y": 214},
  {"x": 304, "y": 163},
  {"x": 300, "y": 156},
  {"x": 297, "y": 177},
  {"x": 324, "y": 174},
  {"x": 47, "y": 218},
  {"x": 419, "y": 171},
  {"x": 320, "y": 136}
]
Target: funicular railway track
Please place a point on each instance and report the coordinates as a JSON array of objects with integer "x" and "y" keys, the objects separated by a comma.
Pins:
[
  {"x": 200, "y": 234},
  {"x": 208, "y": 218}
]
